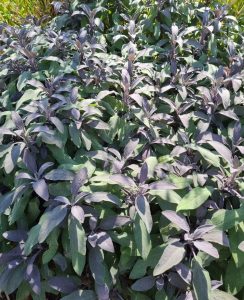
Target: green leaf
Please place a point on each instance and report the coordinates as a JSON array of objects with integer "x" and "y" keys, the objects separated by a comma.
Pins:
[
  {"x": 161, "y": 295},
  {"x": 142, "y": 237},
  {"x": 143, "y": 209},
  {"x": 234, "y": 278},
  {"x": 11, "y": 278},
  {"x": 77, "y": 238},
  {"x": 5, "y": 201},
  {"x": 75, "y": 135},
  {"x": 173, "y": 254},
  {"x": 80, "y": 295},
  {"x": 59, "y": 174},
  {"x": 210, "y": 157},
  {"x": 166, "y": 195},
  {"x": 140, "y": 267},
  {"x": 12, "y": 157},
  {"x": 48, "y": 221},
  {"x": 201, "y": 280},
  {"x": 22, "y": 80},
  {"x": 179, "y": 182},
  {"x": 225, "y": 219},
  {"x": 195, "y": 198},
  {"x": 53, "y": 245},
  {"x": 29, "y": 95},
  {"x": 236, "y": 236}
]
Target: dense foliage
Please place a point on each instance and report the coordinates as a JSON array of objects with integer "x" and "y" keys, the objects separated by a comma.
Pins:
[
  {"x": 121, "y": 156},
  {"x": 14, "y": 11}
]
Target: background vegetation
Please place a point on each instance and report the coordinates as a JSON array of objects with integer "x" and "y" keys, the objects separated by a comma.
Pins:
[{"x": 14, "y": 11}]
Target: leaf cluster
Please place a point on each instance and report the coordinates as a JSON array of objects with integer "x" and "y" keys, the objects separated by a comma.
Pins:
[{"x": 121, "y": 153}]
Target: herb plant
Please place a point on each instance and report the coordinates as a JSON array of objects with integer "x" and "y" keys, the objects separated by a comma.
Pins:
[{"x": 121, "y": 155}]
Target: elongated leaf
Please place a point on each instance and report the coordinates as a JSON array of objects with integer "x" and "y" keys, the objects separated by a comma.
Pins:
[
  {"x": 195, "y": 198},
  {"x": 41, "y": 188},
  {"x": 81, "y": 295},
  {"x": 143, "y": 209},
  {"x": 58, "y": 124},
  {"x": 59, "y": 174},
  {"x": 210, "y": 157},
  {"x": 222, "y": 150},
  {"x": 143, "y": 284},
  {"x": 114, "y": 222},
  {"x": 63, "y": 284},
  {"x": 34, "y": 278},
  {"x": 102, "y": 196},
  {"x": 123, "y": 180},
  {"x": 77, "y": 238},
  {"x": 104, "y": 241},
  {"x": 162, "y": 185},
  {"x": 142, "y": 238},
  {"x": 78, "y": 213},
  {"x": 177, "y": 219},
  {"x": 172, "y": 256},
  {"x": 79, "y": 179},
  {"x": 201, "y": 280},
  {"x": 206, "y": 247},
  {"x": 225, "y": 219}
]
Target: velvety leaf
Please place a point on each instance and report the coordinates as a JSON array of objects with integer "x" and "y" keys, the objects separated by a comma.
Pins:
[
  {"x": 130, "y": 147},
  {"x": 114, "y": 222},
  {"x": 225, "y": 96},
  {"x": 34, "y": 278},
  {"x": 104, "y": 241},
  {"x": 143, "y": 284},
  {"x": 102, "y": 196},
  {"x": 123, "y": 180},
  {"x": 142, "y": 237},
  {"x": 59, "y": 174},
  {"x": 222, "y": 150},
  {"x": 5, "y": 201},
  {"x": 57, "y": 123},
  {"x": 224, "y": 219},
  {"x": 143, "y": 209},
  {"x": 30, "y": 161},
  {"x": 11, "y": 158},
  {"x": 41, "y": 188},
  {"x": 15, "y": 235},
  {"x": 207, "y": 248},
  {"x": 233, "y": 278},
  {"x": 161, "y": 185},
  {"x": 17, "y": 120},
  {"x": 195, "y": 198},
  {"x": 177, "y": 219},
  {"x": 63, "y": 284},
  {"x": 200, "y": 280},
  {"x": 81, "y": 295},
  {"x": 172, "y": 256},
  {"x": 210, "y": 157},
  {"x": 216, "y": 236},
  {"x": 201, "y": 230},
  {"x": 78, "y": 213},
  {"x": 11, "y": 278},
  {"x": 77, "y": 245},
  {"x": 79, "y": 179},
  {"x": 184, "y": 272}
]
